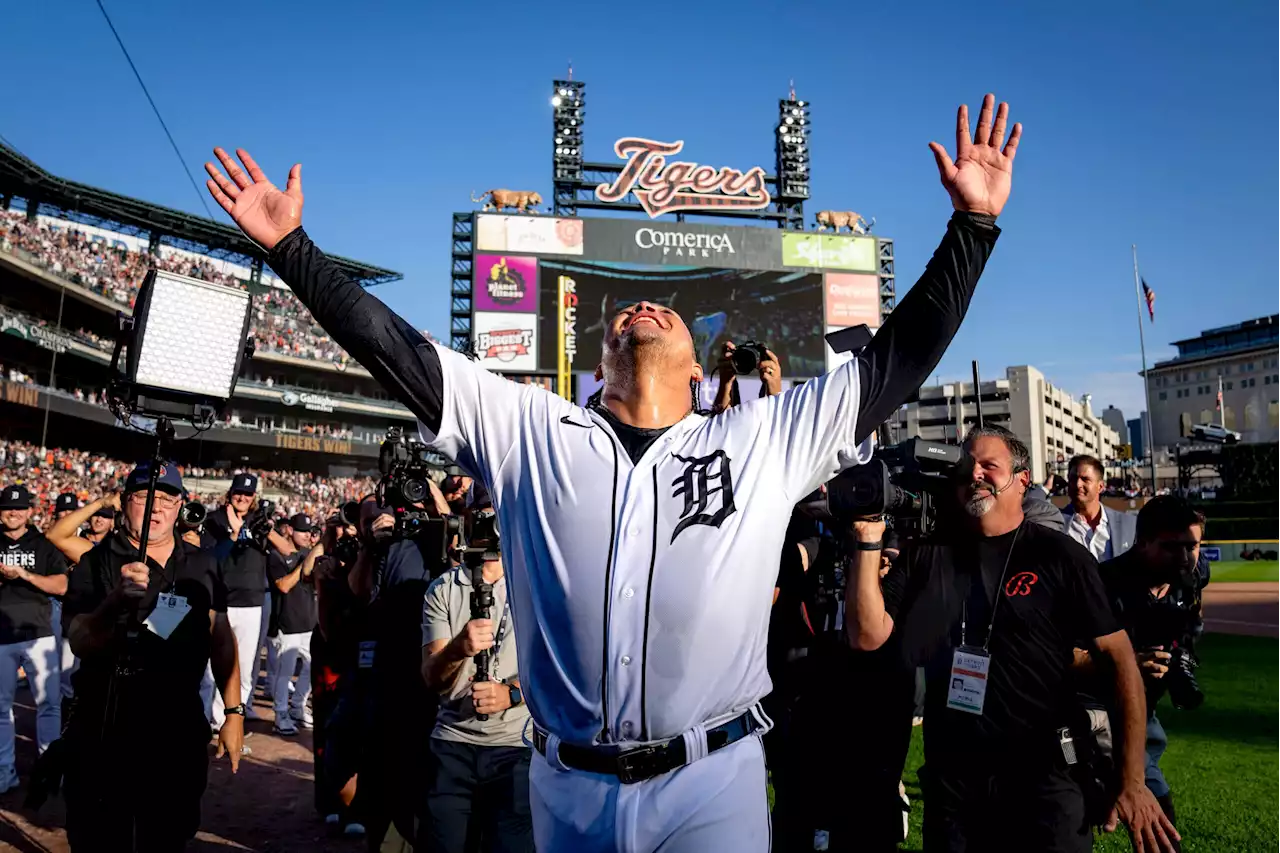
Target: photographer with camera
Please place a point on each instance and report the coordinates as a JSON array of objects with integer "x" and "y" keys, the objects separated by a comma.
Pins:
[
  {"x": 736, "y": 361},
  {"x": 480, "y": 779},
  {"x": 136, "y": 746},
  {"x": 1155, "y": 591},
  {"x": 291, "y": 569},
  {"x": 992, "y": 608}
]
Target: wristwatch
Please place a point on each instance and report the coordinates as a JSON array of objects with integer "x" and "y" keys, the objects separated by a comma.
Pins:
[
  {"x": 235, "y": 709},
  {"x": 869, "y": 546},
  {"x": 517, "y": 698}
]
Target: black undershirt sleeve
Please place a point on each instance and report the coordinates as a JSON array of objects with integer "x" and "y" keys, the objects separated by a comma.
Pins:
[
  {"x": 914, "y": 336},
  {"x": 397, "y": 355}
]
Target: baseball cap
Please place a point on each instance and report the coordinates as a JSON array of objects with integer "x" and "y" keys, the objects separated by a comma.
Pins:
[
  {"x": 15, "y": 497},
  {"x": 105, "y": 512},
  {"x": 66, "y": 502},
  {"x": 245, "y": 484},
  {"x": 302, "y": 523},
  {"x": 168, "y": 478}
]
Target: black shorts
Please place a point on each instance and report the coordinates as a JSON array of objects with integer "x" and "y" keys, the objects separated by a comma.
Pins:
[{"x": 1014, "y": 810}]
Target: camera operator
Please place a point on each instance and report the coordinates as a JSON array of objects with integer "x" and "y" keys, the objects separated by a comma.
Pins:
[
  {"x": 753, "y": 358},
  {"x": 66, "y": 534},
  {"x": 480, "y": 779},
  {"x": 31, "y": 570},
  {"x": 290, "y": 569},
  {"x": 1155, "y": 591},
  {"x": 136, "y": 745},
  {"x": 993, "y": 608},
  {"x": 335, "y": 646},
  {"x": 394, "y": 569},
  {"x": 241, "y": 530}
]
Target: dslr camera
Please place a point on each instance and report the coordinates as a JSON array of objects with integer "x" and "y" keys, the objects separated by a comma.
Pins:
[
  {"x": 901, "y": 483},
  {"x": 260, "y": 522},
  {"x": 192, "y": 517},
  {"x": 746, "y": 357},
  {"x": 1174, "y": 622}
]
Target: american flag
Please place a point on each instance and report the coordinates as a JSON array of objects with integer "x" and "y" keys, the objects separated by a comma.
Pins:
[{"x": 1150, "y": 296}]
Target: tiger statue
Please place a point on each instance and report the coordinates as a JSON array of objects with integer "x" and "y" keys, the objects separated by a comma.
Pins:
[
  {"x": 522, "y": 201},
  {"x": 838, "y": 219}
]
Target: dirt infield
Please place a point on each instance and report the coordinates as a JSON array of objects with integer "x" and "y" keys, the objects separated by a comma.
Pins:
[{"x": 1243, "y": 608}]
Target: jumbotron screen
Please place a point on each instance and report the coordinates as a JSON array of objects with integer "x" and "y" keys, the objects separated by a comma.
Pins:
[{"x": 545, "y": 287}]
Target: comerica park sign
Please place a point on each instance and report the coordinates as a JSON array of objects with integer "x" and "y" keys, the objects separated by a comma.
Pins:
[{"x": 665, "y": 187}]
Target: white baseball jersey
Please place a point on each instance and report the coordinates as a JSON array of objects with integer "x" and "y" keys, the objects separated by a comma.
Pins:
[{"x": 641, "y": 592}]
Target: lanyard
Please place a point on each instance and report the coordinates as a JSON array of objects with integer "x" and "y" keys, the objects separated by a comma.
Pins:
[
  {"x": 498, "y": 637},
  {"x": 964, "y": 607}
]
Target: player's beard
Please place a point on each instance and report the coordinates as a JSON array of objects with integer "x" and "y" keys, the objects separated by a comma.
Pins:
[{"x": 980, "y": 499}]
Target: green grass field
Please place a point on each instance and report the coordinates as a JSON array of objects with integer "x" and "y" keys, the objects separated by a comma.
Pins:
[
  {"x": 1245, "y": 571},
  {"x": 1222, "y": 760}
]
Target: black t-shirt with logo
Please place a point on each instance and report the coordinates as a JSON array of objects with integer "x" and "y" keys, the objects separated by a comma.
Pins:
[
  {"x": 295, "y": 611},
  {"x": 26, "y": 613},
  {"x": 244, "y": 563},
  {"x": 1048, "y": 601},
  {"x": 162, "y": 693}
]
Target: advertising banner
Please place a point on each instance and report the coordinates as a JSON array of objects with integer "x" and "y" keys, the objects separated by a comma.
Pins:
[
  {"x": 640, "y": 242},
  {"x": 506, "y": 342},
  {"x": 567, "y": 326},
  {"x": 505, "y": 283},
  {"x": 852, "y": 300},
  {"x": 829, "y": 251},
  {"x": 533, "y": 235},
  {"x": 781, "y": 309}
]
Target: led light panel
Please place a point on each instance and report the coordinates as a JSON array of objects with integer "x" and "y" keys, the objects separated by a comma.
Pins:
[{"x": 193, "y": 336}]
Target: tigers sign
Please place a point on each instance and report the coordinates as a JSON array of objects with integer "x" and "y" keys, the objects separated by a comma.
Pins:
[{"x": 664, "y": 187}]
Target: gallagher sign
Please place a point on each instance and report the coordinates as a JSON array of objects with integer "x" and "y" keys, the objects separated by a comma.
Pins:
[{"x": 664, "y": 187}]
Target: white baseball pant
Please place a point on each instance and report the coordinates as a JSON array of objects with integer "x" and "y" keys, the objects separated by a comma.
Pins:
[
  {"x": 718, "y": 802},
  {"x": 269, "y": 642},
  {"x": 244, "y": 623},
  {"x": 290, "y": 648},
  {"x": 40, "y": 659}
]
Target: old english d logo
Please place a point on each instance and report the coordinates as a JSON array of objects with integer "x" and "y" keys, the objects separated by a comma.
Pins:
[
  {"x": 706, "y": 485},
  {"x": 1020, "y": 584}
]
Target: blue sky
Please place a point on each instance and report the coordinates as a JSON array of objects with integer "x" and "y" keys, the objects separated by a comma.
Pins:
[{"x": 1146, "y": 123}]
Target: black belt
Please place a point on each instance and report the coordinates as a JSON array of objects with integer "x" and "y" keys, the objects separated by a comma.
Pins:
[{"x": 646, "y": 762}]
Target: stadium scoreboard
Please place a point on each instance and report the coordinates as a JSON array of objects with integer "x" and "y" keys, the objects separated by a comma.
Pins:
[{"x": 545, "y": 288}]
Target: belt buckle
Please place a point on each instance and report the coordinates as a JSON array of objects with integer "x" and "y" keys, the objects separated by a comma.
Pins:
[{"x": 637, "y": 765}]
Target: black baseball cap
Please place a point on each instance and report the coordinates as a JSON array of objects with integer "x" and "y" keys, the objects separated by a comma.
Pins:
[
  {"x": 15, "y": 497},
  {"x": 244, "y": 484},
  {"x": 66, "y": 502},
  {"x": 105, "y": 512},
  {"x": 168, "y": 478},
  {"x": 302, "y": 523}
]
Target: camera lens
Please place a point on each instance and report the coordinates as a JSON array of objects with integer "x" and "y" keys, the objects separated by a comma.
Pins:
[
  {"x": 414, "y": 490},
  {"x": 746, "y": 359}
]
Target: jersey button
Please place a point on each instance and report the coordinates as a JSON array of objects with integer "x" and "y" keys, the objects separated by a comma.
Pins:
[
  {"x": 626, "y": 660},
  {"x": 628, "y": 592},
  {"x": 626, "y": 727},
  {"x": 633, "y": 531}
]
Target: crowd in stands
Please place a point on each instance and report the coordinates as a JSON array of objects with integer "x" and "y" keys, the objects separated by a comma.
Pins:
[
  {"x": 49, "y": 471},
  {"x": 280, "y": 323}
]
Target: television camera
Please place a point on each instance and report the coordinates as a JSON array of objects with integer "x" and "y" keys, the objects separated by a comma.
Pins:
[
  {"x": 407, "y": 466},
  {"x": 901, "y": 483}
]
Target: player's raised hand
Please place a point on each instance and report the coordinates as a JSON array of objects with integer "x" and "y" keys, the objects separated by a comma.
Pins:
[
  {"x": 260, "y": 209},
  {"x": 981, "y": 175}
]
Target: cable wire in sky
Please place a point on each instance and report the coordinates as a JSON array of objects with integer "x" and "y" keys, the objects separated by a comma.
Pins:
[{"x": 156, "y": 110}]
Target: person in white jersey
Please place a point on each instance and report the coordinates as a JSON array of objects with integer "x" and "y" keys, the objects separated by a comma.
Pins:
[{"x": 642, "y": 536}]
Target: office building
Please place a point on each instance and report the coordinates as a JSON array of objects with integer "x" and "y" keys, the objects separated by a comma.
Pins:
[
  {"x": 1184, "y": 389},
  {"x": 1138, "y": 435},
  {"x": 1053, "y": 424},
  {"x": 1114, "y": 418}
]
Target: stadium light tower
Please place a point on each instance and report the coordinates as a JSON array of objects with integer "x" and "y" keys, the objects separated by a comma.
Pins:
[
  {"x": 568, "y": 111},
  {"x": 792, "y": 149}
]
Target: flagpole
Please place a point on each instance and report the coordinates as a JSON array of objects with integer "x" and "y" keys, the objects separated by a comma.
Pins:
[{"x": 1146, "y": 380}]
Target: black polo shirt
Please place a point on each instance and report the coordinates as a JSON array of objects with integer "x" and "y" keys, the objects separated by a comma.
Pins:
[
  {"x": 163, "y": 693},
  {"x": 26, "y": 612},
  {"x": 1049, "y": 601},
  {"x": 295, "y": 611},
  {"x": 244, "y": 563}
]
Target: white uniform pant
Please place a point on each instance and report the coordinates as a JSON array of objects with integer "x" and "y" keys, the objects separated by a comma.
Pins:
[
  {"x": 718, "y": 802},
  {"x": 244, "y": 623},
  {"x": 40, "y": 659},
  {"x": 263, "y": 640},
  {"x": 290, "y": 648}
]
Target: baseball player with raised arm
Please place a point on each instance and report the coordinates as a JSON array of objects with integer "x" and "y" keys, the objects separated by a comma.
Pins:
[{"x": 643, "y": 537}]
